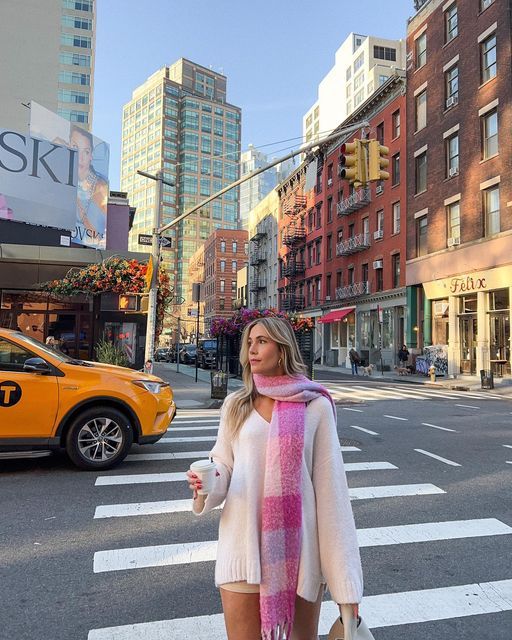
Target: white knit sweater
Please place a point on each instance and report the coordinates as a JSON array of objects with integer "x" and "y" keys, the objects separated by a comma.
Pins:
[{"x": 329, "y": 548}]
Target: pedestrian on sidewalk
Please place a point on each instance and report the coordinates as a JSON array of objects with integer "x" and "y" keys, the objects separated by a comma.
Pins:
[
  {"x": 355, "y": 361},
  {"x": 287, "y": 526},
  {"x": 403, "y": 355}
]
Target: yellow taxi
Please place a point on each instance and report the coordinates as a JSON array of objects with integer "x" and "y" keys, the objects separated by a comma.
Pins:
[{"x": 49, "y": 401}]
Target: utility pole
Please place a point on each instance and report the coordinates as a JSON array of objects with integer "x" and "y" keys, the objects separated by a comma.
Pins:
[{"x": 155, "y": 256}]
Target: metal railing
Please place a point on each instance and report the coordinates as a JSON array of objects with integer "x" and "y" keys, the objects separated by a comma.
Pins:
[
  {"x": 294, "y": 235},
  {"x": 353, "y": 290},
  {"x": 256, "y": 257},
  {"x": 293, "y": 269},
  {"x": 292, "y": 303},
  {"x": 356, "y": 243},
  {"x": 355, "y": 201}
]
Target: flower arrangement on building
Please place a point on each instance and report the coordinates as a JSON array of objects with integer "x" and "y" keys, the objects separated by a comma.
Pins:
[
  {"x": 114, "y": 275},
  {"x": 230, "y": 327}
]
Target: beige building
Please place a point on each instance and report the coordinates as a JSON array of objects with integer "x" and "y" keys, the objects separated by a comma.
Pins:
[
  {"x": 362, "y": 65},
  {"x": 263, "y": 253},
  {"x": 179, "y": 122},
  {"x": 47, "y": 55}
]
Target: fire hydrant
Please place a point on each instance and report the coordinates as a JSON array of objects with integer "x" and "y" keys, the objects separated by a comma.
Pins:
[{"x": 432, "y": 373}]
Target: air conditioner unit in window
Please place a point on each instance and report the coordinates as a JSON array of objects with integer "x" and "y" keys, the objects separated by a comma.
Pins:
[
  {"x": 451, "y": 101},
  {"x": 377, "y": 264},
  {"x": 327, "y": 298},
  {"x": 454, "y": 171},
  {"x": 379, "y": 188},
  {"x": 329, "y": 182},
  {"x": 378, "y": 235},
  {"x": 453, "y": 241}
]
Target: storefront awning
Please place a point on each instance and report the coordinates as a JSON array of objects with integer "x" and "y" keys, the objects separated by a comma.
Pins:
[{"x": 335, "y": 316}]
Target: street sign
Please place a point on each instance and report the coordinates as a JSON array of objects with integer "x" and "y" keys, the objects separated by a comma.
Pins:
[
  {"x": 145, "y": 239},
  {"x": 192, "y": 312},
  {"x": 165, "y": 242}
]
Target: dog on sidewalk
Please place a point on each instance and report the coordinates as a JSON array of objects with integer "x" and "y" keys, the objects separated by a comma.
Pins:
[
  {"x": 402, "y": 371},
  {"x": 367, "y": 371}
]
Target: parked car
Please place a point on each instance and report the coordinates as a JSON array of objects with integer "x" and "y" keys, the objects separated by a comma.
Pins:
[
  {"x": 94, "y": 411},
  {"x": 188, "y": 354},
  {"x": 207, "y": 353},
  {"x": 162, "y": 354}
]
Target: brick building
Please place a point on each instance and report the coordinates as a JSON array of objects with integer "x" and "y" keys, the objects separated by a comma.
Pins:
[
  {"x": 459, "y": 199},
  {"x": 225, "y": 252},
  {"x": 352, "y": 244}
]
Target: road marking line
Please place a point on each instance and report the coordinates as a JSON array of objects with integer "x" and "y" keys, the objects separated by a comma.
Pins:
[
  {"x": 191, "y": 439},
  {"x": 433, "y": 455},
  {"x": 424, "y": 393},
  {"x": 508, "y": 461},
  {"x": 395, "y": 417},
  {"x": 509, "y": 446},
  {"x": 172, "y": 428},
  {"x": 349, "y": 449},
  {"x": 349, "y": 409},
  {"x": 179, "y": 455},
  {"x": 176, "y": 506},
  {"x": 435, "y": 426},
  {"x": 383, "y": 610},
  {"x": 206, "y": 551},
  {"x": 152, "y": 478},
  {"x": 372, "y": 433},
  {"x": 467, "y": 406},
  {"x": 178, "y": 420}
]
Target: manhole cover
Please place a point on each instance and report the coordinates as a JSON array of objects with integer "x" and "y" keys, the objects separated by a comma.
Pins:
[{"x": 347, "y": 442}]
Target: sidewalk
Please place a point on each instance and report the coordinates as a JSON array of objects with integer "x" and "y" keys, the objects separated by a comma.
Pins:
[
  {"x": 502, "y": 386},
  {"x": 189, "y": 394}
]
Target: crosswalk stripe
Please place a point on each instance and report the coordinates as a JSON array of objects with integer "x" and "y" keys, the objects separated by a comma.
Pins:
[
  {"x": 434, "y": 393},
  {"x": 178, "y": 421},
  {"x": 383, "y": 610},
  {"x": 190, "y": 439},
  {"x": 435, "y": 426},
  {"x": 395, "y": 417},
  {"x": 436, "y": 457},
  {"x": 174, "y": 506},
  {"x": 372, "y": 433},
  {"x": 151, "y": 478},
  {"x": 467, "y": 406},
  {"x": 206, "y": 551},
  {"x": 172, "y": 428},
  {"x": 509, "y": 446}
]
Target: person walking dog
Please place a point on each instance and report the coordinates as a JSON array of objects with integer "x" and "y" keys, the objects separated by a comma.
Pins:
[
  {"x": 287, "y": 528},
  {"x": 355, "y": 361}
]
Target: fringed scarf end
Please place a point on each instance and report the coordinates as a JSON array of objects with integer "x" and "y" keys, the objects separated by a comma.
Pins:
[{"x": 282, "y": 631}]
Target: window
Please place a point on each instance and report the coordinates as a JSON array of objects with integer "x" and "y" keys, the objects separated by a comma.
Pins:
[
  {"x": 76, "y": 97},
  {"x": 318, "y": 217},
  {"x": 222, "y": 304},
  {"x": 453, "y": 220},
  {"x": 492, "y": 210},
  {"x": 490, "y": 134},
  {"x": 318, "y": 251},
  {"x": 451, "y": 23},
  {"x": 380, "y": 220},
  {"x": 328, "y": 286},
  {"x": 452, "y": 86},
  {"x": 76, "y": 59},
  {"x": 78, "y": 5},
  {"x": 350, "y": 273},
  {"x": 358, "y": 62},
  {"x": 452, "y": 155},
  {"x": 384, "y": 53},
  {"x": 421, "y": 50},
  {"x": 396, "y": 217},
  {"x": 396, "y": 123},
  {"x": 234, "y": 246},
  {"x": 421, "y": 172},
  {"x": 69, "y": 40},
  {"x": 75, "y": 22},
  {"x": 395, "y": 169},
  {"x": 421, "y": 110},
  {"x": 233, "y": 266},
  {"x": 329, "y": 209},
  {"x": 485, "y": 3},
  {"x": 246, "y": 248},
  {"x": 379, "y": 279},
  {"x": 222, "y": 286},
  {"x": 421, "y": 236},
  {"x": 318, "y": 187},
  {"x": 366, "y": 229},
  {"x": 233, "y": 287},
  {"x": 222, "y": 266},
  {"x": 364, "y": 272},
  {"x": 380, "y": 133},
  {"x": 223, "y": 246},
  {"x": 12, "y": 358},
  {"x": 70, "y": 77},
  {"x": 395, "y": 269},
  {"x": 329, "y": 247},
  {"x": 339, "y": 279},
  {"x": 488, "y": 58}
]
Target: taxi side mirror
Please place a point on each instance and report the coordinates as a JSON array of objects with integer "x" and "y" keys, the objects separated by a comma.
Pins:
[{"x": 36, "y": 365}]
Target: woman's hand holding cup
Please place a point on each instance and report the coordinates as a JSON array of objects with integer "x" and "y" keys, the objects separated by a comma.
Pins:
[
  {"x": 201, "y": 477},
  {"x": 194, "y": 482}
]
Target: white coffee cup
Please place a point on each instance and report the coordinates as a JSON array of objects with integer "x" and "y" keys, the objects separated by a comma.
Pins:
[{"x": 205, "y": 470}]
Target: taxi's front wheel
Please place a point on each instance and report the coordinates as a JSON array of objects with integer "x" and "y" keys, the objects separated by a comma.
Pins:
[{"x": 99, "y": 438}]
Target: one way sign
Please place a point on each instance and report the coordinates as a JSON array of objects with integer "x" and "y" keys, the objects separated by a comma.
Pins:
[{"x": 147, "y": 240}]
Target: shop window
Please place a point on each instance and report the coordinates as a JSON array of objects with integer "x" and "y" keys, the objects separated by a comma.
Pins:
[
  {"x": 499, "y": 300},
  {"x": 441, "y": 325}
]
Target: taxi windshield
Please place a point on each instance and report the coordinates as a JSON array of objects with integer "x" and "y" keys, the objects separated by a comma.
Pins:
[{"x": 51, "y": 352}]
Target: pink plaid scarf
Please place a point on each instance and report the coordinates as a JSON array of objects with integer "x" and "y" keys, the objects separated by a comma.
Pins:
[{"x": 282, "y": 499}]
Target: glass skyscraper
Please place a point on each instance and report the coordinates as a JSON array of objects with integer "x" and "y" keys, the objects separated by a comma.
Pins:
[{"x": 179, "y": 122}]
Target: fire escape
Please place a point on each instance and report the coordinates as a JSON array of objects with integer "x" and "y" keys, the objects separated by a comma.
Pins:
[
  {"x": 257, "y": 259},
  {"x": 293, "y": 269}
]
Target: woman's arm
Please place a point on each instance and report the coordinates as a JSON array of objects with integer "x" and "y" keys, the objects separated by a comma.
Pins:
[
  {"x": 222, "y": 455},
  {"x": 339, "y": 549}
]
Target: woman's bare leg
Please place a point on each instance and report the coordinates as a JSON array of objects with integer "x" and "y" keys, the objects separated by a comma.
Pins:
[
  {"x": 307, "y": 614},
  {"x": 241, "y": 615}
]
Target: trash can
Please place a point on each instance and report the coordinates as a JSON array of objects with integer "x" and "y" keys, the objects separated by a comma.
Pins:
[
  {"x": 486, "y": 379},
  {"x": 219, "y": 382}
]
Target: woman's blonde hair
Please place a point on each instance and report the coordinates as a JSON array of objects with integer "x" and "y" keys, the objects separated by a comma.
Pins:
[{"x": 240, "y": 404}]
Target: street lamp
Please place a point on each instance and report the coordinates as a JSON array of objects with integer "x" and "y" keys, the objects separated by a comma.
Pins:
[{"x": 155, "y": 256}]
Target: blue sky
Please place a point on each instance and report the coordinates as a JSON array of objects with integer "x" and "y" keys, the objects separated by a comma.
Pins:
[{"x": 273, "y": 53}]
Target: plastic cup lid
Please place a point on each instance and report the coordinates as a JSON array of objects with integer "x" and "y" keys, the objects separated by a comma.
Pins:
[{"x": 202, "y": 465}]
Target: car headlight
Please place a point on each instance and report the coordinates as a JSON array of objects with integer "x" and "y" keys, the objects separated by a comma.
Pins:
[{"x": 151, "y": 385}]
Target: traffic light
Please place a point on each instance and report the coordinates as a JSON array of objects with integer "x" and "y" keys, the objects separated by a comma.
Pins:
[
  {"x": 352, "y": 162},
  {"x": 377, "y": 161}
]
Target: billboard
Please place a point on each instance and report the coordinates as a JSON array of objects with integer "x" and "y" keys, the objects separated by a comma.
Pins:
[
  {"x": 92, "y": 164},
  {"x": 38, "y": 181}
]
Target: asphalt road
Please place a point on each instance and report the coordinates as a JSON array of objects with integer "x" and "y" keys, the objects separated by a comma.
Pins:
[{"x": 63, "y": 574}]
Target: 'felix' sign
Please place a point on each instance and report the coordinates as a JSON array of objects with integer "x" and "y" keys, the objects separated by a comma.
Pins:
[{"x": 467, "y": 283}]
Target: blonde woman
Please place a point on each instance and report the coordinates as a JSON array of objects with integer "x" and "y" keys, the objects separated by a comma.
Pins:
[{"x": 287, "y": 527}]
